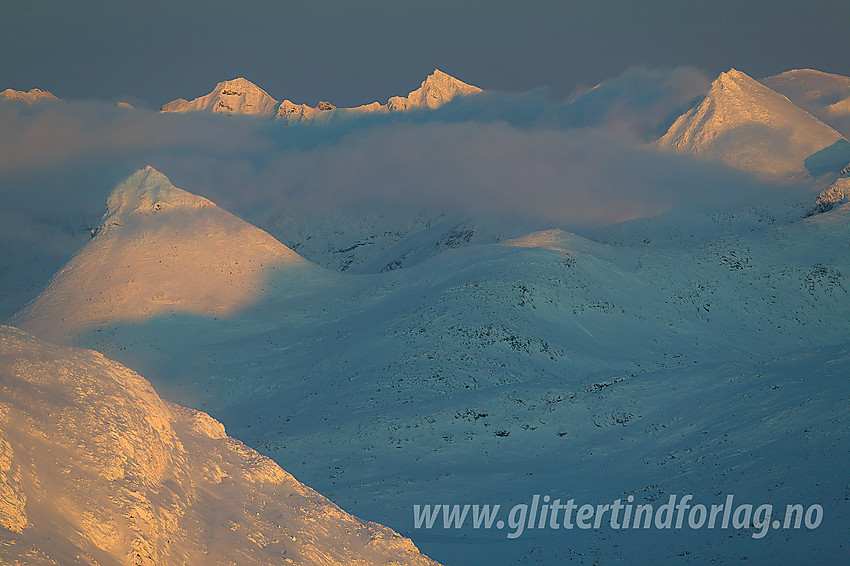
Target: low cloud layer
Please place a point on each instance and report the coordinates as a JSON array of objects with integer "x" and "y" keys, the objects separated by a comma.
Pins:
[
  {"x": 584, "y": 167},
  {"x": 505, "y": 154}
]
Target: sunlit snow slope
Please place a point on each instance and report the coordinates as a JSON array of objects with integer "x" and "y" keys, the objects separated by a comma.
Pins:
[
  {"x": 96, "y": 469},
  {"x": 742, "y": 122},
  {"x": 437, "y": 89},
  {"x": 815, "y": 91},
  {"x": 160, "y": 250}
]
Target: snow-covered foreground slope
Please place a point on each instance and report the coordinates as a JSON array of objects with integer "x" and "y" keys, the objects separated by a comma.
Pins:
[
  {"x": 548, "y": 364},
  {"x": 194, "y": 256},
  {"x": 96, "y": 469},
  {"x": 743, "y": 123}
]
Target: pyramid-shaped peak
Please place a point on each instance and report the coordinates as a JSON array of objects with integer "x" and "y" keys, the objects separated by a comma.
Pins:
[
  {"x": 147, "y": 191},
  {"x": 734, "y": 77},
  {"x": 159, "y": 250},
  {"x": 745, "y": 123},
  {"x": 437, "y": 89}
]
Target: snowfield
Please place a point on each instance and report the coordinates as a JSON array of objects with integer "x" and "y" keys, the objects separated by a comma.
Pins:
[{"x": 688, "y": 338}]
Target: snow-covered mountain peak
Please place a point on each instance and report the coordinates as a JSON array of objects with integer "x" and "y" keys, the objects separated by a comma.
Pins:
[
  {"x": 750, "y": 126},
  {"x": 437, "y": 89},
  {"x": 441, "y": 80},
  {"x": 740, "y": 98},
  {"x": 734, "y": 75},
  {"x": 160, "y": 250},
  {"x": 147, "y": 191},
  {"x": 234, "y": 96},
  {"x": 30, "y": 97}
]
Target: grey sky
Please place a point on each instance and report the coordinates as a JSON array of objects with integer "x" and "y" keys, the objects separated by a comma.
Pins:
[{"x": 356, "y": 52}]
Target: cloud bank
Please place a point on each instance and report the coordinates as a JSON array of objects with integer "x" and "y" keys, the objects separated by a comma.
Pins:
[{"x": 581, "y": 164}]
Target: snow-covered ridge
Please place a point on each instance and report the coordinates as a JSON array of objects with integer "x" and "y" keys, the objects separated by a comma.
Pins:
[
  {"x": 746, "y": 124},
  {"x": 324, "y": 112},
  {"x": 95, "y": 468},
  {"x": 241, "y": 96},
  {"x": 814, "y": 91},
  {"x": 30, "y": 97}
]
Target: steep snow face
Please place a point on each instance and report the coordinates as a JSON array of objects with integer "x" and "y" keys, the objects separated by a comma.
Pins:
[
  {"x": 236, "y": 96},
  {"x": 435, "y": 91},
  {"x": 749, "y": 126},
  {"x": 160, "y": 249},
  {"x": 30, "y": 97},
  {"x": 96, "y": 468}
]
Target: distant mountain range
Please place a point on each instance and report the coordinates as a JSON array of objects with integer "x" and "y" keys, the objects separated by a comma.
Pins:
[
  {"x": 30, "y": 97},
  {"x": 241, "y": 96},
  {"x": 792, "y": 123}
]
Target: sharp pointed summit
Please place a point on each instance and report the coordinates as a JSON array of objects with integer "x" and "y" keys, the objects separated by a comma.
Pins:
[
  {"x": 236, "y": 96},
  {"x": 145, "y": 192},
  {"x": 437, "y": 89},
  {"x": 746, "y": 124},
  {"x": 159, "y": 250}
]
